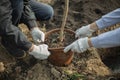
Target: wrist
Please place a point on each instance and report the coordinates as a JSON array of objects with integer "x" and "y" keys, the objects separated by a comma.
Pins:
[
  {"x": 33, "y": 28},
  {"x": 31, "y": 48},
  {"x": 93, "y": 26},
  {"x": 89, "y": 42}
]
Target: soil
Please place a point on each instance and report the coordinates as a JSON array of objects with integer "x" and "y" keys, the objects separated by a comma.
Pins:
[
  {"x": 94, "y": 64},
  {"x": 53, "y": 39}
]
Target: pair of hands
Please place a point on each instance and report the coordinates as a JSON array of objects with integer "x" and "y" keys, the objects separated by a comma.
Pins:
[
  {"x": 39, "y": 51},
  {"x": 81, "y": 44}
]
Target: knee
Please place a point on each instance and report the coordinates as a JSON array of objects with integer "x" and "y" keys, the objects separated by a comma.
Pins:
[{"x": 49, "y": 12}]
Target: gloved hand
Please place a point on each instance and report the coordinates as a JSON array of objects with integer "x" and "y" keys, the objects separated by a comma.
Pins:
[
  {"x": 78, "y": 46},
  {"x": 40, "y": 52},
  {"x": 84, "y": 31},
  {"x": 38, "y": 35}
]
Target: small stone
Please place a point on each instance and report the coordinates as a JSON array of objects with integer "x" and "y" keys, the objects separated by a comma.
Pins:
[
  {"x": 69, "y": 72},
  {"x": 90, "y": 68},
  {"x": 2, "y": 68}
]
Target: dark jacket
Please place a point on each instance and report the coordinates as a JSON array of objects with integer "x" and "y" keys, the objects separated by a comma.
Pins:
[{"x": 11, "y": 32}]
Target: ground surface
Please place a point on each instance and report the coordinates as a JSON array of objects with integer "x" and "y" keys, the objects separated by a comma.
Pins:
[{"x": 85, "y": 66}]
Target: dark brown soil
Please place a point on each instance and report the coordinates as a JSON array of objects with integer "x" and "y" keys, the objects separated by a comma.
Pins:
[
  {"x": 53, "y": 39},
  {"x": 85, "y": 66}
]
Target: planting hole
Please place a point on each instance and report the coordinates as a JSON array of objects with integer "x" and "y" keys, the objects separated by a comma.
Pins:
[{"x": 113, "y": 62}]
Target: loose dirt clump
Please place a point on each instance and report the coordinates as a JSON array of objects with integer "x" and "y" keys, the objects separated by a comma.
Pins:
[{"x": 91, "y": 65}]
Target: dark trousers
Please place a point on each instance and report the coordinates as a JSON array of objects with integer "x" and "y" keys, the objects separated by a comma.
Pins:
[{"x": 42, "y": 11}]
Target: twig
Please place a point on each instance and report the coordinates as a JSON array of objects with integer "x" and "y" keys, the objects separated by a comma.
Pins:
[{"x": 64, "y": 19}]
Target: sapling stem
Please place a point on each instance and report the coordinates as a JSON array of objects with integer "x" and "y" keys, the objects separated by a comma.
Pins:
[{"x": 64, "y": 20}]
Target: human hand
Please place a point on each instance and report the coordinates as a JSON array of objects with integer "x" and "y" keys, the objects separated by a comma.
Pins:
[
  {"x": 38, "y": 35},
  {"x": 40, "y": 52},
  {"x": 84, "y": 31},
  {"x": 78, "y": 46}
]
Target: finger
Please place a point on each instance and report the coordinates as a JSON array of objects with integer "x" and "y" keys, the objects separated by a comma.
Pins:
[
  {"x": 45, "y": 49},
  {"x": 47, "y": 53},
  {"x": 38, "y": 41},
  {"x": 67, "y": 48},
  {"x": 76, "y": 36},
  {"x": 42, "y": 37},
  {"x": 35, "y": 41}
]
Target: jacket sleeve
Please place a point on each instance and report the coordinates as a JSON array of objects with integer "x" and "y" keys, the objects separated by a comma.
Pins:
[
  {"x": 107, "y": 40},
  {"x": 28, "y": 16},
  {"x": 109, "y": 19},
  {"x": 13, "y": 34}
]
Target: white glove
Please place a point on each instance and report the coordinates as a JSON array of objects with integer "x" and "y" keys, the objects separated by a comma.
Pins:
[
  {"x": 78, "y": 46},
  {"x": 84, "y": 31},
  {"x": 40, "y": 52},
  {"x": 38, "y": 35}
]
